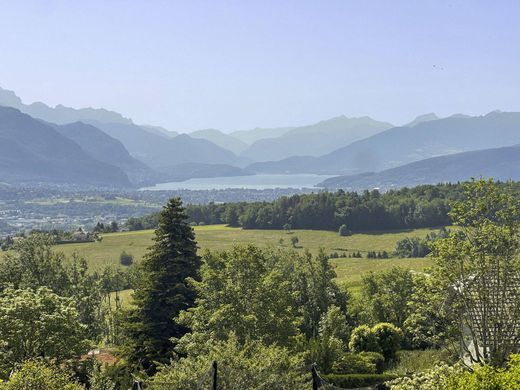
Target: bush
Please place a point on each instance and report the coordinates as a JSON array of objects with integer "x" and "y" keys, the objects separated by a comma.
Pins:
[
  {"x": 324, "y": 352},
  {"x": 344, "y": 231},
  {"x": 434, "y": 379},
  {"x": 350, "y": 381},
  {"x": 126, "y": 259},
  {"x": 363, "y": 339},
  {"x": 39, "y": 375},
  {"x": 251, "y": 366},
  {"x": 359, "y": 363},
  {"x": 389, "y": 338}
]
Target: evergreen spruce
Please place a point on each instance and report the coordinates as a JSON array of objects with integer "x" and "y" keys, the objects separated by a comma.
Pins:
[{"x": 163, "y": 291}]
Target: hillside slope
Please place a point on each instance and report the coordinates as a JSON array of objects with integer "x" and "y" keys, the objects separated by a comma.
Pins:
[
  {"x": 32, "y": 151},
  {"x": 499, "y": 163},
  {"x": 221, "y": 139},
  {"x": 105, "y": 148},
  {"x": 157, "y": 151}
]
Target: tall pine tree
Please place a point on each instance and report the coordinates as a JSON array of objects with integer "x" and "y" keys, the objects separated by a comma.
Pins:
[{"x": 162, "y": 291}]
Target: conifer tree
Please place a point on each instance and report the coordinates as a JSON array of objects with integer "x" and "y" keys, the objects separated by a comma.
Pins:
[{"x": 162, "y": 291}]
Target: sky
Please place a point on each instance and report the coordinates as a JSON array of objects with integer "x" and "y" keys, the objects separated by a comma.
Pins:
[{"x": 234, "y": 65}]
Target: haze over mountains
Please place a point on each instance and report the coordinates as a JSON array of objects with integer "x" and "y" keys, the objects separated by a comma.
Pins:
[
  {"x": 91, "y": 146},
  {"x": 402, "y": 145},
  {"x": 315, "y": 140},
  {"x": 32, "y": 151},
  {"x": 500, "y": 163}
]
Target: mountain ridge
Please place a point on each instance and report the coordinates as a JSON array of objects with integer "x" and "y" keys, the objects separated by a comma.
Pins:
[
  {"x": 32, "y": 151},
  {"x": 500, "y": 163}
]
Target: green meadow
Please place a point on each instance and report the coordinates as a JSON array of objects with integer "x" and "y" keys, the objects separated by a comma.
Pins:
[{"x": 221, "y": 237}]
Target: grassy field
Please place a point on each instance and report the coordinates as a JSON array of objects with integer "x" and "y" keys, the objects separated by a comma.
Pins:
[{"x": 220, "y": 237}]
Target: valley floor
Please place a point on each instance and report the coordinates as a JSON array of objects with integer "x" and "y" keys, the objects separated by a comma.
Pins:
[{"x": 221, "y": 237}]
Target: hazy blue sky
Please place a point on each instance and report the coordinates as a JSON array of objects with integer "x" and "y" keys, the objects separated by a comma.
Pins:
[{"x": 240, "y": 64}]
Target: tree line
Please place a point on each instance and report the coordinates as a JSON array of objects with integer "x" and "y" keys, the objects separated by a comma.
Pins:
[{"x": 421, "y": 206}]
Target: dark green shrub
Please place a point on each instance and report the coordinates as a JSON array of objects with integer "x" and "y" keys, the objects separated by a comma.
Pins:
[
  {"x": 126, "y": 259},
  {"x": 344, "y": 231}
]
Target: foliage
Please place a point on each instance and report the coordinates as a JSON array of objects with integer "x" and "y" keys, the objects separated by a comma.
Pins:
[
  {"x": 334, "y": 333},
  {"x": 251, "y": 365},
  {"x": 389, "y": 338},
  {"x": 488, "y": 377},
  {"x": 434, "y": 379},
  {"x": 415, "y": 247},
  {"x": 263, "y": 294},
  {"x": 412, "y": 247},
  {"x": 126, "y": 259},
  {"x": 350, "y": 381},
  {"x": 422, "y": 206},
  {"x": 363, "y": 339},
  {"x": 38, "y": 324},
  {"x": 334, "y": 324},
  {"x": 344, "y": 231},
  {"x": 294, "y": 241},
  {"x": 38, "y": 375},
  {"x": 35, "y": 264},
  {"x": 480, "y": 377},
  {"x": 429, "y": 324},
  {"x": 481, "y": 266},
  {"x": 408, "y": 362},
  {"x": 163, "y": 290},
  {"x": 359, "y": 363},
  {"x": 383, "y": 338},
  {"x": 324, "y": 352},
  {"x": 385, "y": 295},
  {"x": 150, "y": 221}
]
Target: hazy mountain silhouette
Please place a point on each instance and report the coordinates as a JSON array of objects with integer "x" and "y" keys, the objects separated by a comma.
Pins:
[
  {"x": 401, "y": 145},
  {"x": 152, "y": 145},
  {"x": 59, "y": 114},
  {"x": 258, "y": 133},
  {"x": 422, "y": 118},
  {"x": 105, "y": 148},
  {"x": 500, "y": 163},
  {"x": 158, "y": 130},
  {"x": 221, "y": 139},
  {"x": 32, "y": 151},
  {"x": 315, "y": 140},
  {"x": 157, "y": 151}
]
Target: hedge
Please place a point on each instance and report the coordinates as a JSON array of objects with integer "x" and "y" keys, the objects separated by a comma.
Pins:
[{"x": 357, "y": 380}]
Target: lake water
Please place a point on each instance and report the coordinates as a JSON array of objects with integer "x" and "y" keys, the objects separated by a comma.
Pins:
[{"x": 256, "y": 182}]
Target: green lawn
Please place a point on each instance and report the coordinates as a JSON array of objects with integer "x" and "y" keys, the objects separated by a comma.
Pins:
[{"x": 220, "y": 237}]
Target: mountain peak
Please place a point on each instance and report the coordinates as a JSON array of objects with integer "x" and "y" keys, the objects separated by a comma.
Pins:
[
  {"x": 422, "y": 118},
  {"x": 60, "y": 114},
  {"x": 9, "y": 98}
]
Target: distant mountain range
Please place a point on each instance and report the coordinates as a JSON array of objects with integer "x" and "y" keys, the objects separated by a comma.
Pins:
[
  {"x": 221, "y": 139},
  {"x": 500, "y": 163},
  {"x": 160, "y": 151},
  {"x": 59, "y": 114},
  {"x": 34, "y": 152},
  {"x": 314, "y": 140},
  {"x": 401, "y": 145},
  {"x": 105, "y": 148},
  {"x": 95, "y": 146}
]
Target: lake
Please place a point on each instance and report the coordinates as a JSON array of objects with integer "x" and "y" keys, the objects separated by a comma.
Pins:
[{"x": 254, "y": 182}]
